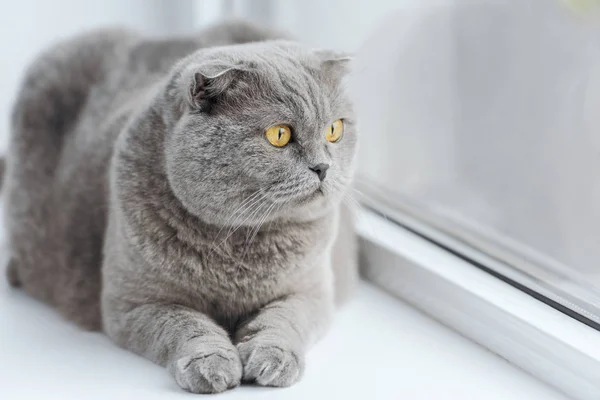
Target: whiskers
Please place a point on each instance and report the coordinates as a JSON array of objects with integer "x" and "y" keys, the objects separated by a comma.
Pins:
[
  {"x": 258, "y": 207},
  {"x": 255, "y": 211},
  {"x": 249, "y": 207},
  {"x": 252, "y": 234}
]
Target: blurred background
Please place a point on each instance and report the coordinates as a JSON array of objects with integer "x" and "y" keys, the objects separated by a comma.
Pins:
[{"x": 479, "y": 119}]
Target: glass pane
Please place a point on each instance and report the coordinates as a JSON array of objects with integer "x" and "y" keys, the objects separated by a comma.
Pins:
[{"x": 483, "y": 120}]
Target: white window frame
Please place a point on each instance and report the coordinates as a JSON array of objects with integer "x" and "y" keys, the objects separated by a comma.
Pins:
[{"x": 535, "y": 337}]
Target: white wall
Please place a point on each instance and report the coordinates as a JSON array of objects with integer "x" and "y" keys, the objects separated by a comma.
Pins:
[{"x": 27, "y": 26}]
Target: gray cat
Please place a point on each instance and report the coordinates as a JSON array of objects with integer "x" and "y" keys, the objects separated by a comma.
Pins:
[{"x": 185, "y": 197}]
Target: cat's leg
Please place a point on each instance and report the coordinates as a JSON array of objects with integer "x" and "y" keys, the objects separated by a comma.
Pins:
[
  {"x": 194, "y": 348},
  {"x": 273, "y": 343}
]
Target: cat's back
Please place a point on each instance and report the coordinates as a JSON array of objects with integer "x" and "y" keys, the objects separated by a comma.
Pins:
[{"x": 55, "y": 182}]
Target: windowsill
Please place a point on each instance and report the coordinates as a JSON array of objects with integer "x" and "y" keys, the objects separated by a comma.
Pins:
[{"x": 378, "y": 348}]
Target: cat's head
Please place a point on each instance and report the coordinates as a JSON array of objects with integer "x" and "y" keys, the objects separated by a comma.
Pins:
[{"x": 260, "y": 131}]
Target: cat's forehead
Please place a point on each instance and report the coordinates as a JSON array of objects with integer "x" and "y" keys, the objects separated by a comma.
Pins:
[{"x": 285, "y": 80}]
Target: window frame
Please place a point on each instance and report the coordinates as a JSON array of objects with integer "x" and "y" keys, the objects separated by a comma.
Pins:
[{"x": 537, "y": 338}]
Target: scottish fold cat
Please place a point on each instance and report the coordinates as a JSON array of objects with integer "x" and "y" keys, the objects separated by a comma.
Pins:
[{"x": 186, "y": 197}]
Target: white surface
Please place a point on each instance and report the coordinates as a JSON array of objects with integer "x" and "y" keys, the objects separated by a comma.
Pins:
[{"x": 379, "y": 348}]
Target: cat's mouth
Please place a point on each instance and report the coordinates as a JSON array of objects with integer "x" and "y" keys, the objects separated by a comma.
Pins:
[{"x": 300, "y": 194}]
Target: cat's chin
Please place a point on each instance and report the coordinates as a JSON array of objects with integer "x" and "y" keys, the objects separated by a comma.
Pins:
[
  {"x": 322, "y": 196},
  {"x": 310, "y": 197},
  {"x": 315, "y": 202},
  {"x": 315, "y": 206}
]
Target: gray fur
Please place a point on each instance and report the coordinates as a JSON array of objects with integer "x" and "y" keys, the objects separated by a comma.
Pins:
[{"x": 143, "y": 198}]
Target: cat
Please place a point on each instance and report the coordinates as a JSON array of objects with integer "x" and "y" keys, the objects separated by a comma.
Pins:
[{"x": 150, "y": 194}]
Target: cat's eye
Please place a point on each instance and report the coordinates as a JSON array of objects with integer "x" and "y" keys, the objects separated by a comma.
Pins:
[
  {"x": 334, "y": 131},
  {"x": 279, "y": 135}
]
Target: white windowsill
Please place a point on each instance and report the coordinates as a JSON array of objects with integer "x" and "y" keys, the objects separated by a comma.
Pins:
[{"x": 378, "y": 348}]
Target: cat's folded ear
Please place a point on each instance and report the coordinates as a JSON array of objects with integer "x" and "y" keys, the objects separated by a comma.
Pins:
[
  {"x": 203, "y": 84},
  {"x": 334, "y": 63}
]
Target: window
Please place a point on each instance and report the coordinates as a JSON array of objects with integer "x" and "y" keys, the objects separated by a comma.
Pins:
[{"x": 490, "y": 124}]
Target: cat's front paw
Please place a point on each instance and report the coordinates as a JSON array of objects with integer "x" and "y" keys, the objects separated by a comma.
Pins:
[
  {"x": 270, "y": 364},
  {"x": 211, "y": 371}
]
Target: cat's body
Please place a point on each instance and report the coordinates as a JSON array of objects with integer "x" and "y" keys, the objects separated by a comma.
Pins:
[{"x": 109, "y": 200}]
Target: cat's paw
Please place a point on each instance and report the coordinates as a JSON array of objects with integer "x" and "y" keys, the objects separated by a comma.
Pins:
[
  {"x": 270, "y": 364},
  {"x": 212, "y": 371}
]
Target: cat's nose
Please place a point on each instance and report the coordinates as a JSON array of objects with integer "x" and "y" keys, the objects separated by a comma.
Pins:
[{"x": 320, "y": 170}]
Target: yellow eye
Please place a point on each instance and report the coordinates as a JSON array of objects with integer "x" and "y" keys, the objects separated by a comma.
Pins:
[
  {"x": 279, "y": 135},
  {"x": 334, "y": 131}
]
